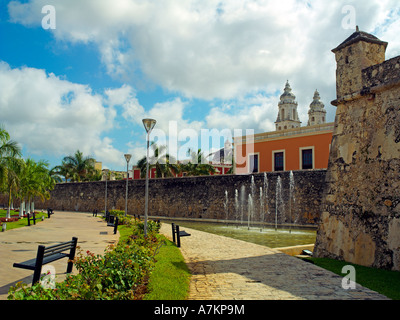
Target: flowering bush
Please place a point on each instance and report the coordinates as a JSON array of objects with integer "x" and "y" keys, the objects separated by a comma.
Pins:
[
  {"x": 121, "y": 273},
  {"x": 9, "y": 219}
]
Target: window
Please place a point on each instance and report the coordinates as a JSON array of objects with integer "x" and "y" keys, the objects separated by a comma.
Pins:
[
  {"x": 278, "y": 161},
  {"x": 283, "y": 114},
  {"x": 306, "y": 159},
  {"x": 253, "y": 163}
]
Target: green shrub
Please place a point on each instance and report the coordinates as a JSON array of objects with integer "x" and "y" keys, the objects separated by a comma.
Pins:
[{"x": 121, "y": 273}]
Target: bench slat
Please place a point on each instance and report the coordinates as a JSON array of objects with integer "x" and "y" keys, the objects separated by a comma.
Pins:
[
  {"x": 64, "y": 244},
  {"x": 31, "y": 264},
  {"x": 58, "y": 249},
  {"x": 183, "y": 234}
]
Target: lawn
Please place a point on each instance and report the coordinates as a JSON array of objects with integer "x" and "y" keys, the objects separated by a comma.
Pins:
[
  {"x": 385, "y": 282},
  {"x": 21, "y": 222},
  {"x": 169, "y": 280}
]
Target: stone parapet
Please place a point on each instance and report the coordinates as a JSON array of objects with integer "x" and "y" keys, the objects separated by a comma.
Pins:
[{"x": 198, "y": 197}]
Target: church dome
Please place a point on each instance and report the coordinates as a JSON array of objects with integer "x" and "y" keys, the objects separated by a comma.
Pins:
[
  {"x": 287, "y": 96},
  {"x": 316, "y": 104}
]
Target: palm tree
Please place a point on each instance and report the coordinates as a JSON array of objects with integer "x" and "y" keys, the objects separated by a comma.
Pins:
[
  {"x": 8, "y": 149},
  {"x": 77, "y": 167},
  {"x": 197, "y": 165},
  {"x": 35, "y": 181},
  {"x": 10, "y": 152},
  {"x": 161, "y": 161},
  {"x": 63, "y": 170},
  {"x": 14, "y": 166}
]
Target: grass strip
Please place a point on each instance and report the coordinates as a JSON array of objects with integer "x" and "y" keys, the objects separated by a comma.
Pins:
[
  {"x": 23, "y": 222},
  {"x": 386, "y": 282},
  {"x": 170, "y": 278}
]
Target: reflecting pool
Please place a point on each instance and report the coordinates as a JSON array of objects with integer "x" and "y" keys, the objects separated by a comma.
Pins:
[{"x": 267, "y": 236}]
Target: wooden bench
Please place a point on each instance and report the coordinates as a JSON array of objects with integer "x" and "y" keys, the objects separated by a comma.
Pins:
[
  {"x": 33, "y": 217},
  {"x": 113, "y": 222},
  {"x": 107, "y": 216},
  {"x": 179, "y": 234},
  {"x": 49, "y": 212},
  {"x": 49, "y": 254}
]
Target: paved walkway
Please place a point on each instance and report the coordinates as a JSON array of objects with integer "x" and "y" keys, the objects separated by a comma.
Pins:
[
  {"x": 222, "y": 268},
  {"x": 228, "y": 269},
  {"x": 21, "y": 244}
]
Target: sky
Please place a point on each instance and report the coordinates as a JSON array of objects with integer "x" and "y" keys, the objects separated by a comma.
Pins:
[{"x": 82, "y": 74}]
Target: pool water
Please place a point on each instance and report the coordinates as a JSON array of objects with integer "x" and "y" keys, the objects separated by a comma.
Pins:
[{"x": 267, "y": 236}]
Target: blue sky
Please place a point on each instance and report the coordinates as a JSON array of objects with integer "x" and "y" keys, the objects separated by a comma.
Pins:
[{"x": 191, "y": 65}]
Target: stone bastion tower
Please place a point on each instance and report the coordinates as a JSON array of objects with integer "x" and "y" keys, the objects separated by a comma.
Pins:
[{"x": 360, "y": 216}]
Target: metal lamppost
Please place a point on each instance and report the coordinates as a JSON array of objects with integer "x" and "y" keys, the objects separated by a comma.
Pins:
[
  {"x": 127, "y": 158},
  {"x": 148, "y": 125},
  {"x": 105, "y": 199}
]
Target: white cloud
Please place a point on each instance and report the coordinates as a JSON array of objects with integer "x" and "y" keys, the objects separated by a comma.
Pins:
[
  {"x": 125, "y": 97},
  {"x": 254, "y": 112},
  {"x": 54, "y": 116},
  {"x": 209, "y": 49},
  {"x": 227, "y": 50}
]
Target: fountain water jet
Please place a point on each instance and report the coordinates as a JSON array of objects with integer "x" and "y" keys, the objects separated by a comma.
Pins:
[
  {"x": 250, "y": 209},
  {"x": 236, "y": 206},
  {"x": 242, "y": 202},
  {"x": 262, "y": 209},
  {"x": 291, "y": 197},
  {"x": 226, "y": 202},
  {"x": 265, "y": 185},
  {"x": 278, "y": 200}
]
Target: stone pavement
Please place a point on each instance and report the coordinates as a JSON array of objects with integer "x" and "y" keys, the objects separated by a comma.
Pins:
[
  {"x": 21, "y": 244},
  {"x": 228, "y": 269}
]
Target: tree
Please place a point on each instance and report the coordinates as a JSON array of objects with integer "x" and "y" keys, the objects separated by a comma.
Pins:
[
  {"x": 35, "y": 181},
  {"x": 14, "y": 167},
  {"x": 160, "y": 160},
  {"x": 76, "y": 167},
  {"x": 197, "y": 165},
  {"x": 8, "y": 149},
  {"x": 10, "y": 152}
]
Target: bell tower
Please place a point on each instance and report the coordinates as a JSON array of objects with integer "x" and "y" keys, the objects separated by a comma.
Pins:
[
  {"x": 317, "y": 112},
  {"x": 288, "y": 117}
]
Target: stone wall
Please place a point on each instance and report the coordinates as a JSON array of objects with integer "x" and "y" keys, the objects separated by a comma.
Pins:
[
  {"x": 360, "y": 219},
  {"x": 197, "y": 197}
]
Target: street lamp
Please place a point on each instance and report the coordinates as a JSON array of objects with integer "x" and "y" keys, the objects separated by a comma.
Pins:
[
  {"x": 148, "y": 125},
  {"x": 127, "y": 158}
]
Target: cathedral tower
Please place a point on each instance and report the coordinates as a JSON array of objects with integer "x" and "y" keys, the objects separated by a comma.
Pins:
[
  {"x": 287, "y": 114},
  {"x": 317, "y": 112}
]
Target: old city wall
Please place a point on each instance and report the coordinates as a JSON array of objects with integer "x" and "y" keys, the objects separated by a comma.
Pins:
[
  {"x": 360, "y": 219},
  {"x": 196, "y": 197}
]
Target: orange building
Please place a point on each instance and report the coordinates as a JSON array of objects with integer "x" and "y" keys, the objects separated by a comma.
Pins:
[
  {"x": 290, "y": 147},
  {"x": 294, "y": 149}
]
